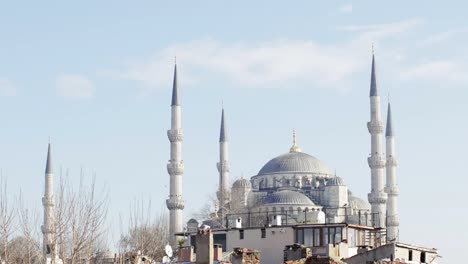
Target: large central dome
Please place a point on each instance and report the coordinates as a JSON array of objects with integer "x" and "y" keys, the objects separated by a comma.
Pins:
[{"x": 295, "y": 162}]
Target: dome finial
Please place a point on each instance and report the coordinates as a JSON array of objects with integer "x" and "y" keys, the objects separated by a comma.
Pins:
[{"x": 295, "y": 147}]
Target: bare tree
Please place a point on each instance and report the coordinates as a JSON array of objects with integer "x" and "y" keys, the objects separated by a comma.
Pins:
[
  {"x": 80, "y": 220},
  {"x": 145, "y": 234},
  {"x": 6, "y": 219},
  {"x": 29, "y": 241},
  {"x": 63, "y": 211}
]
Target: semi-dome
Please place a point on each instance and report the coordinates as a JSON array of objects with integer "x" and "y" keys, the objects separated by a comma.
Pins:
[
  {"x": 295, "y": 162},
  {"x": 287, "y": 197},
  {"x": 358, "y": 203},
  {"x": 335, "y": 181},
  {"x": 242, "y": 183}
]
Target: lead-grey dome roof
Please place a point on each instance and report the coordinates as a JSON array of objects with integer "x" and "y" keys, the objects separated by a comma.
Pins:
[
  {"x": 335, "y": 181},
  {"x": 287, "y": 197},
  {"x": 295, "y": 162},
  {"x": 242, "y": 183},
  {"x": 358, "y": 203}
]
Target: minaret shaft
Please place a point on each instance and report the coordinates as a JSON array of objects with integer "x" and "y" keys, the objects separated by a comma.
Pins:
[
  {"x": 391, "y": 187},
  {"x": 48, "y": 227},
  {"x": 377, "y": 197},
  {"x": 223, "y": 165},
  {"x": 175, "y": 167}
]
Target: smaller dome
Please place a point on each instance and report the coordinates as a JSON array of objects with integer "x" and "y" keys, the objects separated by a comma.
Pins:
[
  {"x": 242, "y": 183},
  {"x": 358, "y": 203},
  {"x": 288, "y": 197},
  {"x": 335, "y": 181},
  {"x": 192, "y": 221},
  {"x": 213, "y": 223}
]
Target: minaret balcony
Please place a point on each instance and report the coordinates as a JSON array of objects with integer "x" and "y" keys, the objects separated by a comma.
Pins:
[
  {"x": 393, "y": 220},
  {"x": 175, "y": 203},
  {"x": 175, "y": 135},
  {"x": 377, "y": 198},
  {"x": 391, "y": 162},
  {"x": 392, "y": 190},
  {"x": 376, "y": 161},
  {"x": 223, "y": 166},
  {"x": 48, "y": 201},
  {"x": 375, "y": 127},
  {"x": 175, "y": 168}
]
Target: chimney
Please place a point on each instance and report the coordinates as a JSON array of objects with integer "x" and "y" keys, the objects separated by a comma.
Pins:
[{"x": 204, "y": 242}]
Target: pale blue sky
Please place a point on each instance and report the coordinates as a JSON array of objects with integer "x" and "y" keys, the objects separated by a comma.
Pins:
[{"x": 96, "y": 77}]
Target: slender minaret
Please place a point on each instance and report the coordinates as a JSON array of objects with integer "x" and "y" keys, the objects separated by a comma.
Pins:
[
  {"x": 377, "y": 197},
  {"x": 175, "y": 167},
  {"x": 391, "y": 188},
  {"x": 223, "y": 165},
  {"x": 49, "y": 248}
]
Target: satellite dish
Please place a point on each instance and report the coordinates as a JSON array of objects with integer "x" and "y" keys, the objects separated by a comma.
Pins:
[
  {"x": 168, "y": 250},
  {"x": 165, "y": 259}
]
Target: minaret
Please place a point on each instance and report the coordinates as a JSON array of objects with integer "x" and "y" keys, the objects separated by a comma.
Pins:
[
  {"x": 175, "y": 167},
  {"x": 223, "y": 165},
  {"x": 377, "y": 197},
  {"x": 391, "y": 188},
  {"x": 49, "y": 249}
]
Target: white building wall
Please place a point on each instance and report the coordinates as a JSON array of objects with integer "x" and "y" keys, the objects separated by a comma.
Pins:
[
  {"x": 271, "y": 247},
  {"x": 336, "y": 196}
]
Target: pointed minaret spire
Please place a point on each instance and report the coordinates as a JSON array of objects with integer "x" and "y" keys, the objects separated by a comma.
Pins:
[
  {"x": 389, "y": 128},
  {"x": 175, "y": 167},
  {"x": 223, "y": 192},
  {"x": 377, "y": 196},
  {"x": 374, "y": 91},
  {"x": 222, "y": 132},
  {"x": 175, "y": 88},
  {"x": 391, "y": 187},
  {"x": 295, "y": 147},
  {"x": 49, "y": 169}
]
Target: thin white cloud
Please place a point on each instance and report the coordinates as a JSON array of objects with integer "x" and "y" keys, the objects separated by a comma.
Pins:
[
  {"x": 384, "y": 29},
  {"x": 444, "y": 36},
  {"x": 76, "y": 86},
  {"x": 348, "y": 8},
  {"x": 7, "y": 88},
  {"x": 265, "y": 64},
  {"x": 440, "y": 71}
]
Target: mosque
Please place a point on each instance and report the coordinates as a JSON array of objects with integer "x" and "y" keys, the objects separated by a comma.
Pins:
[{"x": 294, "y": 188}]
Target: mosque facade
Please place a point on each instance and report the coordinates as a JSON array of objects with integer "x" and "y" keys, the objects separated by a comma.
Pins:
[{"x": 296, "y": 188}]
